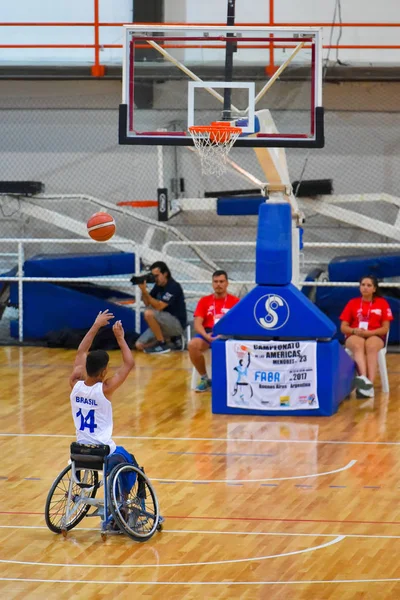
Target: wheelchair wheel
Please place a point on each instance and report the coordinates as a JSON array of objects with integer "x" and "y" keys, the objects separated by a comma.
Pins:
[
  {"x": 56, "y": 503},
  {"x": 133, "y": 502}
]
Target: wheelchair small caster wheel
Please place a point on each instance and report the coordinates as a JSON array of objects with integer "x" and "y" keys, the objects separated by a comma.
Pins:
[
  {"x": 64, "y": 533},
  {"x": 160, "y": 527},
  {"x": 103, "y": 536}
]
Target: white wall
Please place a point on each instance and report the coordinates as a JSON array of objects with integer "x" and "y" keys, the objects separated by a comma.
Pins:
[
  {"x": 316, "y": 11},
  {"x": 61, "y": 11},
  {"x": 212, "y": 11}
]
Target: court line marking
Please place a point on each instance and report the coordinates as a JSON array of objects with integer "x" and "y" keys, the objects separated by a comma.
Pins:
[
  {"x": 216, "y": 532},
  {"x": 246, "y": 519},
  {"x": 197, "y": 583},
  {"x": 336, "y": 540},
  {"x": 198, "y": 439},
  {"x": 240, "y": 454},
  {"x": 307, "y": 476}
]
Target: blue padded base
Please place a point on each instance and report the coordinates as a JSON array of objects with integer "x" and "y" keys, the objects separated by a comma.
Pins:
[
  {"x": 243, "y": 205},
  {"x": 335, "y": 372}
]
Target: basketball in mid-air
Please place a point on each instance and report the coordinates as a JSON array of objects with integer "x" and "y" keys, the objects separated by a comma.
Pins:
[{"x": 101, "y": 227}]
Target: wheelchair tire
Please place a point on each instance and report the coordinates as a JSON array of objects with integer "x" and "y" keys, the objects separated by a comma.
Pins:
[
  {"x": 137, "y": 515},
  {"x": 55, "y": 508}
]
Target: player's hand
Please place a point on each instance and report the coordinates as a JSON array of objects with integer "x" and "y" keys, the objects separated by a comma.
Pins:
[
  {"x": 103, "y": 318},
  {"x": 118, "y": 330}
]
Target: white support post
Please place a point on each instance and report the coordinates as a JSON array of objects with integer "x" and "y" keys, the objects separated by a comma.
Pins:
[
  {"x": 20, "y": 292},
  {"x": 295, "y": 254},
  {"x": 160, "y": 165},
  {"x": 138, "y": 295}
]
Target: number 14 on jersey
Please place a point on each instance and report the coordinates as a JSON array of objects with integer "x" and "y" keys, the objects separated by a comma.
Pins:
[{"x": 88, "y": 421}]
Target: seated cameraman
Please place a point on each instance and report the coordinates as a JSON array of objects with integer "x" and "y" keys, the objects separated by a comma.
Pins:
[{"x": 166, "y": 315}]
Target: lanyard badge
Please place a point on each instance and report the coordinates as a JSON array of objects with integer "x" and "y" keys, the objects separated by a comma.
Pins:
[
  {"x": 363, "y": 324},
  {"x": 220, "y": 314}
]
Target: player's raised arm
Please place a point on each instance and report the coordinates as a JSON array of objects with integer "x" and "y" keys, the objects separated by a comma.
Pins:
[
  {"x": 79, "y": 368},
  {"x": 110, "y": 385}
]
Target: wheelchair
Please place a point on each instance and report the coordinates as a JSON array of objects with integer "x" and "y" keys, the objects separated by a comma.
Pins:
[{"x": 128, "y": 504}]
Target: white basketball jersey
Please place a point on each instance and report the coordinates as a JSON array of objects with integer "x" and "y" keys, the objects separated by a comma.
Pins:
[{"x": 92, "y": 414}]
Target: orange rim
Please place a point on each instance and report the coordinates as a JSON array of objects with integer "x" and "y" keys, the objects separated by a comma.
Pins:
[{"x": 217, "y": 126}]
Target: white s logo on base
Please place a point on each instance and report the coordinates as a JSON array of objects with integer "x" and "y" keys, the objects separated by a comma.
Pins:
[{"x": 271, "y": 311}]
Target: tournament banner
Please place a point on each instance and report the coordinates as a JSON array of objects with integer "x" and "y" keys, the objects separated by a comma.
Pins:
[{"x": 279, "y": 376}]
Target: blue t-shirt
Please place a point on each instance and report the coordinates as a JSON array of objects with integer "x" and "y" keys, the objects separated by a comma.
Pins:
[{"x": 172, "y": 294}]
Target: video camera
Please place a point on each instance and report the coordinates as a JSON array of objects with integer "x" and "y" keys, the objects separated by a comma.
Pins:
[{"x": 144, "y": 278}]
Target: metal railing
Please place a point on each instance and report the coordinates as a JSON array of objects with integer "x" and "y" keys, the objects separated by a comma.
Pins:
[
  {"x": 20, "y": 279},
  {"x": 98, "y": 70},
  {"x": 350, "y": 245}
]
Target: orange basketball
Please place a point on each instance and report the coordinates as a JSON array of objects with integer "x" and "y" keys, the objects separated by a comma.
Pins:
[{"x": 101, "y": 227}]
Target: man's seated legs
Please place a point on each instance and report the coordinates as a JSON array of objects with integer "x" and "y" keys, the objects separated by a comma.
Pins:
[
  {"x": 197, "y": 347},
  {"x": 162, "y": 326}
]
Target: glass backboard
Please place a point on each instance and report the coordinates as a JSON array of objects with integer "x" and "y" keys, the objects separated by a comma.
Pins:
[{"x": 176, "y": 76}]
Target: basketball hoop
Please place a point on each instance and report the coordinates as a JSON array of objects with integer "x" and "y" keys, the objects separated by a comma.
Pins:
[
  {"x": 241, "y": 351},
  {"x": 213, "y": 143}
]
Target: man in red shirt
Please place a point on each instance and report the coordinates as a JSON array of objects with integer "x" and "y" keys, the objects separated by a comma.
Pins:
[
  {"x": 365, "y": 323},
  {"x": 210, "y": 309}
]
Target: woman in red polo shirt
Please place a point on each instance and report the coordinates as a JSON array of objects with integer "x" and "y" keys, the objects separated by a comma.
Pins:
[{"x": 365, "y": 323}]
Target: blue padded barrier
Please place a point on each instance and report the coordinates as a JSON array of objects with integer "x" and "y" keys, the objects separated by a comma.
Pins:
[
  {"x": 351, "y": 268},
  {"x": 79, "y": 265},
  {"x": 51, "y": 307}
]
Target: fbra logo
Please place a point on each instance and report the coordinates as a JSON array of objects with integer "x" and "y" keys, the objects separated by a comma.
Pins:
[{"x": 271, "y": 311}]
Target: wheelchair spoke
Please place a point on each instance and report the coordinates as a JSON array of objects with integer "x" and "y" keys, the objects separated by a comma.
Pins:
[
  {"x": 57, "y": 501},
  {"x": 133, "y": 502}
]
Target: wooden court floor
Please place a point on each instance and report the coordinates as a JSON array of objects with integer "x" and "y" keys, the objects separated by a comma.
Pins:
[{"x": 277, "y": 508}]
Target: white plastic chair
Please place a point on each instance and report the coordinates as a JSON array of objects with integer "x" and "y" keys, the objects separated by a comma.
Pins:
[
  {"x": 383, "y": 372},
  {"x": 383, "y": 367},
  {"x": 196, "y": 376}
]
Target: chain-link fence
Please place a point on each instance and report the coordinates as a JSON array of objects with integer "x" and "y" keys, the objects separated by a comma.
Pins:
[{"x": 65, "y": 134}]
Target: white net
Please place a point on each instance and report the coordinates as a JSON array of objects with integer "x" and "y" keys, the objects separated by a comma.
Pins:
[{"x": 213, "y": 144}]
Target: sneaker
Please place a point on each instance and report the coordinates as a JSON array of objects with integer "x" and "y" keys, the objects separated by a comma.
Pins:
[
  {"x": 363, "y": 383},
  {"x": 178, "y": 343},
  {"x": 159, "y": 348},
  {"x": 203, "y": 385},
  {"x": 360, "y": 394}
]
